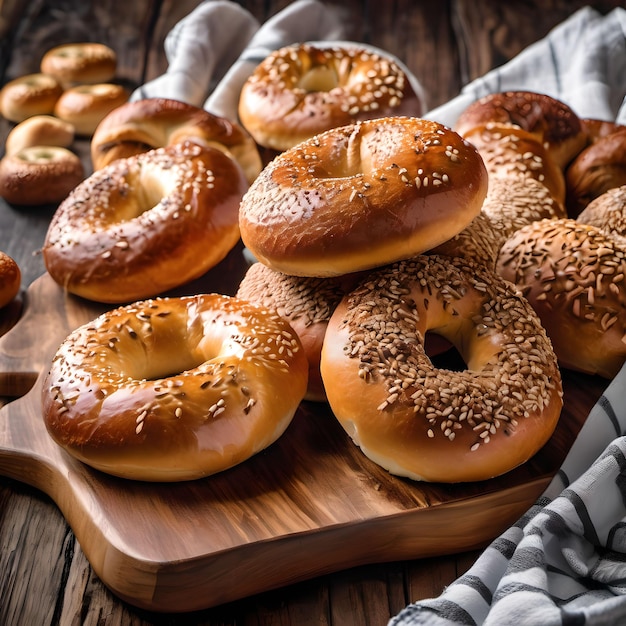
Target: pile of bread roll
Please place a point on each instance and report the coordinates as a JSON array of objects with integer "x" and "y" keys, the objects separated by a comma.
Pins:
[
  {"x": 383, "y": 238},
  {"x": 72, "y": 93}
]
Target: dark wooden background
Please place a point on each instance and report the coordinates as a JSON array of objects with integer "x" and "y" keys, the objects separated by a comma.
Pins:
[{"x": 44, "y": 577}]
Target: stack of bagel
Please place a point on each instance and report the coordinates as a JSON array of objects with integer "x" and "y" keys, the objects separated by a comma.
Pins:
[
  {"x": 382, "y": 241},
  {"x": 71, "y": 94}
]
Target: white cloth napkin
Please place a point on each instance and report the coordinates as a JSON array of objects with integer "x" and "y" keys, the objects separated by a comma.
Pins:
[
  {"x": 213, "y": 50},
  {"x": 582, "y": 62},
  {"x": 564, "y": 562}
]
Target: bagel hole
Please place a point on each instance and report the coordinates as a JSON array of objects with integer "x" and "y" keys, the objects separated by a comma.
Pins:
[
  {"x": 319, "y": 78},
  {"x": 442, "y": 353}
]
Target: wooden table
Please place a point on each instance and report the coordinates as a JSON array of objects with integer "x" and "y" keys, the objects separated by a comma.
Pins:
[{"x": 44, "y": 576}]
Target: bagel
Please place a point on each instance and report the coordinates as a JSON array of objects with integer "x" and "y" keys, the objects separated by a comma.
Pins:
[
  {"x": 33, "y": 94},
  {"x": 10, "y": 279},
  {"x": 552, "y": 121},
  {"x": 80, "y": 63},
  {"x": 143, "y": 125},
  {"x": 511, "y": 152},
  {"x": 303, "y": 90},
  {"x": 306, "y": 303},
  {"x": 174, "y": 389},
  {"x": 146, "y": 224},
  {"x": 432, "y": 424},
  {"x": 39, "y": 130},
  {"x": 573, "y": 276},
  {"x": 85, "y": 106},
  {"x": 599, "y": 167},
  {"x": 607, "y": 212},
  {"x": 361, "y": 196},
  {"x": 39, "y": 175}
]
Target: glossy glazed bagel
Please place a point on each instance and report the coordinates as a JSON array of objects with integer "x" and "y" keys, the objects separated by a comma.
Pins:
[
  {"x": 302, "y": 90},
  {"x": 428, "y": 423},
  {"x": 146, "y": 224},
  {"x": 552, "y": 121},
  {"x": 39, "y": 175},
  {"x": 174, "y": 389},
  {"x": 33, "y": 94},
  {"x": 596, "y": 169},
  {"x": 361, "y": 196},
  {"x": 143, "y": 125},
  {"x": 85, "y": 106},
  {"x": 80, "y": 63},
  {"x": 39, "y": 130},
  {"x": 10, "y": 279},
  {"x": 573, "y": 276}
]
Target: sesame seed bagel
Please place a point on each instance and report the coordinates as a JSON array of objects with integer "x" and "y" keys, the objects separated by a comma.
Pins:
[
  {"x": 80, "y": 63},
  {"x": 39, "y": 175},
  {"x": 607, "y": 212},
  {"x": 361, "y": 196},
  {"x": 142, "y": 125},
  {"x": 573, "y": 276},
  {"x": 174, "y": 389},
  {"x": 511, "y": 152},
  {"x": 85, "y": 106},
  {"x": 25, "y": 96},
  {"x": 300, "y": 91},
  {"x": 431, "y": 424},
  {"x": 146, "y": 224},
  {"x": 305, "y": 302},
  {"x": 553, "y": 121}
]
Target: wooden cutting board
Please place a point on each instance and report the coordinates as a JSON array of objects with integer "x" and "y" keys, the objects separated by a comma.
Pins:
[{"x": 309, "y": 505}]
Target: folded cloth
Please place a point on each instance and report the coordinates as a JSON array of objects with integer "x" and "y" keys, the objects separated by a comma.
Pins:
[
  {"x": 304, "y": 20},
  {"x": 582, "y": 62},
  {"x": 564, "y": 561},
  {"x": 213, "y": 50},
  {"x": 199, "y": 50}
]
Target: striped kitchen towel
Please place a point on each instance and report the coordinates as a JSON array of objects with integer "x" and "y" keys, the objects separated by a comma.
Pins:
[{"x": 564, "y": 562}]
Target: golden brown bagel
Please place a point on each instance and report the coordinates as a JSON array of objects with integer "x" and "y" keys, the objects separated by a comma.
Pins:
[
  {"x": 302, "y": 90},
  {"x": 511, "y": 152},
  {"x": 174, "y": 389},
  {"x": 146, "y": 224},
  {"x": 599, "y": 167},
  {"x": 553, "y": 121},
  {"x": 434, "y": 424},
  {"x": 33, "y": 94},
  {"x": 143, "y": 125},
  {"x": 80, "y": 63},
  {"x": 362, "y": 195},
  {"x": 39, "y": 175},
  {"x": 39, "y": 130},
  {"x": 85, "y": 106},
  {"x": 306, "y": 303},
  {"x": 573, "y": 276}
]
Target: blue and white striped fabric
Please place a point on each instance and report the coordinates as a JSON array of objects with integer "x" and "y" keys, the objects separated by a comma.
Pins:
[{"x": 564, "y": 562}]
